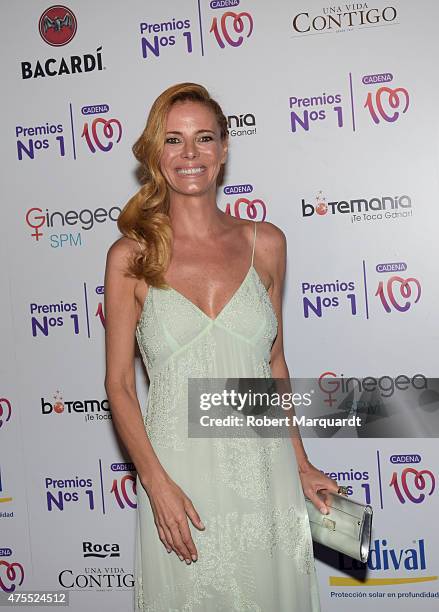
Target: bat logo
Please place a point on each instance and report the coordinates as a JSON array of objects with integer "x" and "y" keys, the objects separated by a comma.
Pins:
[{"x": 57, "y": 25}]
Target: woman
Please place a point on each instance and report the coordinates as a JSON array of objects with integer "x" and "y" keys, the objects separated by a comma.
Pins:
[{"x": 231, "y": 509}]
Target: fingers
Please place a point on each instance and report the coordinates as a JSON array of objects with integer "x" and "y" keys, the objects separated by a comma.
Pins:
[
  {"x": 193, "y": 514},
  {"x": 182, "y": 539},
  {"x": 171, "y": 507},
  {"x": 317, "y": 501},
  {"x": 164, "y": 539}
]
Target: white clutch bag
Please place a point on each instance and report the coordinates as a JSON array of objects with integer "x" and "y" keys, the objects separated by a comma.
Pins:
[{"x": 347, "y": 528}]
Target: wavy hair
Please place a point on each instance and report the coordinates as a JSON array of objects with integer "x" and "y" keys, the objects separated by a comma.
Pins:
[{"x": 145, "y": 217}]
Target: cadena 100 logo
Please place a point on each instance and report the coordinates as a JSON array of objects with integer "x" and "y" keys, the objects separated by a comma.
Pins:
[
  {"x": 231, "y": 28},
  {"x": 37, "y": 220},
  {"x": 413, "y": 485},
  {"x": 242, "y": 206},
  {"x": 385, "y": 103},
  {"x": 5, "y": 411},
  {"x": 397, "y": 294},
  {"x": 11, "y": 573},
  {"x": 100, "y": 133},
  {"x": 339, "y": 108}
]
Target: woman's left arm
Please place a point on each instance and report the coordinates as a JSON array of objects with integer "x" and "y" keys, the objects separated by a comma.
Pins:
[{"x": 274, "y": 249}]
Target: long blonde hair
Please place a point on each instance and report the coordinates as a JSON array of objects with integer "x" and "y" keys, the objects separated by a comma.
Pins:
[{"x": 145, "y": 217}]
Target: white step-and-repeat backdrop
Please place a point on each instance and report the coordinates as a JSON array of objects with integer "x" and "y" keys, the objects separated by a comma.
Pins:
[{"x": 334, "y": 137}]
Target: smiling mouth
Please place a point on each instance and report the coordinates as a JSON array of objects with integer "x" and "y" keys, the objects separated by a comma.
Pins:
[{"x": 191, "y": 171}]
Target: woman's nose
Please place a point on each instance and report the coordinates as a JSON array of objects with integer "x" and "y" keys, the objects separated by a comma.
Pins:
[{"x": 190, "y": 150}]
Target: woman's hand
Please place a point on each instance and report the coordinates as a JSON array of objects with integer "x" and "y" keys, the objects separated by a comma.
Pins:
[
  {"x": 171, "y": 507},
  {"x": 313, "y": 480}
]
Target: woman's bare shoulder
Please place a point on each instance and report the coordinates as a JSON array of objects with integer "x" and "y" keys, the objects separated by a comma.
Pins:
[
  {"x": 271, "y": 239},
  {"x": 123, "y": 248}
]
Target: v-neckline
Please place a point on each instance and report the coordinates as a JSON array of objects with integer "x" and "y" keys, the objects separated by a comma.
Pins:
[{"x": 229, "y": 301}]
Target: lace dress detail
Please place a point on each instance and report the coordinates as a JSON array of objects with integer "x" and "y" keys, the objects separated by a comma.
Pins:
[{"x": 256, "y": 551}]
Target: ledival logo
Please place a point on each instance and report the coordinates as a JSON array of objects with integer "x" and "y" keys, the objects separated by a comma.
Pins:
[{"x": 57, "y": 25}]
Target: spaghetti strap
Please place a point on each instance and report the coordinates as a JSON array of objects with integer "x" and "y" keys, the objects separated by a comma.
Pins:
[{"x": 254, "y": 242}]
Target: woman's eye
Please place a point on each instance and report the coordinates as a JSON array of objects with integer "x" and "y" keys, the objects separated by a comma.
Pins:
[
  {"x": 171, "y": 140},
  {"x": 206, "y": 138}
]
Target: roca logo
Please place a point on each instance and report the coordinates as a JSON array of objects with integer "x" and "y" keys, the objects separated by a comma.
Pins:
[
  {"x": 101, "y": 551},
  {"x": 57, "y": 25}
]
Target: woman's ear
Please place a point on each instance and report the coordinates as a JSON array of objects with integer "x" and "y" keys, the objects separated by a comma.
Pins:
[{"x": 225, "y": 149}]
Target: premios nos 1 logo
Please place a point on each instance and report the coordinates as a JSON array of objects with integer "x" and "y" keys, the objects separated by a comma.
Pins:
[
  {"x": 57, "y": 27},
  {"x": 156, "y": 37},
  {"x": 68, "y": 316},
  {"x": 378, "y": 100},
  {"x": 99, "y": 133},
  {"x": 109, "y": 489},
  {"x": 356, "y": 481},
  {"x": 243, "y": 203},
  {"x": 388, "y": 290}
]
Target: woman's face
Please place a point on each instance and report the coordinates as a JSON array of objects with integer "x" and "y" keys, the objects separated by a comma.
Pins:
[{"x": 193, "y": 150}]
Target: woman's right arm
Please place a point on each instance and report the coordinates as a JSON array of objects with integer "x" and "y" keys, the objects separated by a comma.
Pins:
[
  {"x": 169, "y": 503},
  {"x": 120, "y": 321}
]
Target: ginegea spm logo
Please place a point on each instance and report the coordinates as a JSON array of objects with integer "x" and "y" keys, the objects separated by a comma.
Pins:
[
  {"x": 57, "y": 25},
  {"x": 85, "y": 220}
]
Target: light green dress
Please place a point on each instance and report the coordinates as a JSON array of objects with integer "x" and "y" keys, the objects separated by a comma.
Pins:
[{"x": 256, "y": 551}]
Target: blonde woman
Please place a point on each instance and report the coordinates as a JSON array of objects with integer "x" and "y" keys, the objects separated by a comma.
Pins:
[{"x": 222, "y": 523}]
